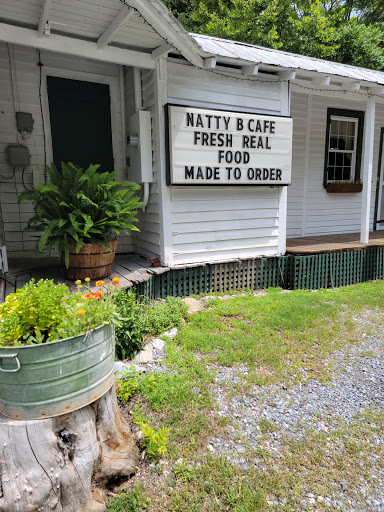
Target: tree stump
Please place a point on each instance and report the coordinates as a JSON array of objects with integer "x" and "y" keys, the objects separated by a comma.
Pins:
[{"x": 51, "y": 464}]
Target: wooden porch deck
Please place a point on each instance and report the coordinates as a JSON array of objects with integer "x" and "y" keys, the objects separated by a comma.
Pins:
[
  {"x": 130, "y": 268},
  {"x": 333, "y": 243}
]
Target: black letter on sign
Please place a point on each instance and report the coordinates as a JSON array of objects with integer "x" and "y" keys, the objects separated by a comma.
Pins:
[
  {"x": 189, "y": 119},
  {"x": 278, "y": 174},
  {"x": 189, "y": 173},
  {"x": 237, "y": 173},
  {"x": 239, "y": 124}
]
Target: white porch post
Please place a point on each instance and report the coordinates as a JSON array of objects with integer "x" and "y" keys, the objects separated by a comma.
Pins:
[{"x": 367, "y": 169}]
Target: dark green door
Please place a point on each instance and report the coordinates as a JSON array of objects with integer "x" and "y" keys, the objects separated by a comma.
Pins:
[{"x": 80, "y": 117}]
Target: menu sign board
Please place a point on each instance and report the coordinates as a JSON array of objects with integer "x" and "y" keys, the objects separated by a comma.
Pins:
[{"x": 213, "y": 147}]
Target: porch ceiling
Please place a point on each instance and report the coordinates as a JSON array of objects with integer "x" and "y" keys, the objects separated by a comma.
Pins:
[{"x": 140, "y": 25}]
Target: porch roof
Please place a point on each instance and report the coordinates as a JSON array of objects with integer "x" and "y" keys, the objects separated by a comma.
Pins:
[{"x": 272, "y": 59}]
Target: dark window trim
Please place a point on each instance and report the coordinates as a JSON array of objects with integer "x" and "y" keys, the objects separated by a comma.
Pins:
[
  {"x": 341, "y": 112},
  {"x": 378, "y": 179}
]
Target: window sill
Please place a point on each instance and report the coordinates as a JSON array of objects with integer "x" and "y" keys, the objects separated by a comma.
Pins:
[{"x": 343, "y": 188}]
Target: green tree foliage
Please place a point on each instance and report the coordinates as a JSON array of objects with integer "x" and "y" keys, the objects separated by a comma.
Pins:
[{"x": 341, "y": 30}]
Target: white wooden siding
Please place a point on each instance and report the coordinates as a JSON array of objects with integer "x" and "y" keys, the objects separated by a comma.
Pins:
[
  {"x": 26, "y": 89},
  {"x": 311, "y": 210},
  {"x": 222, "y": 223},
  {"x": 147, "y": 241}
]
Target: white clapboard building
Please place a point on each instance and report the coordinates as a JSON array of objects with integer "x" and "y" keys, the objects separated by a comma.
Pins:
[{"x": 240, "y": 150}]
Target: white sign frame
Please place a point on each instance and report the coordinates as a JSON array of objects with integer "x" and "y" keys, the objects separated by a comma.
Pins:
[{"x": 222, "y": 147}]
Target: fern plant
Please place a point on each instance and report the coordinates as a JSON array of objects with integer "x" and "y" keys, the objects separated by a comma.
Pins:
[{"x": 78, "y": 206}]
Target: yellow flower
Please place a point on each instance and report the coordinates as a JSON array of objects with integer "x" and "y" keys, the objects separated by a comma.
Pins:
[
  {"x": 100, "y": 283},
  {"x": 87, "y": 279},
  {"x": 115, "y": 280},
  {"x": 78, "y": 281},
  {"x": 81, "y": 312}
]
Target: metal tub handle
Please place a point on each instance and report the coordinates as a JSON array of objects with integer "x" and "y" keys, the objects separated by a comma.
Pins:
[{"x": 14, "y": 356}]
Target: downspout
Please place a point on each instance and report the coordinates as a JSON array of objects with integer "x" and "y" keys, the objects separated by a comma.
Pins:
[{"x": 139, "y": 106}]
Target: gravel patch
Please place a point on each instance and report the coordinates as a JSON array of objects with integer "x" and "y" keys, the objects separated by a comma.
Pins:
[{"x": 357, "y": 384}]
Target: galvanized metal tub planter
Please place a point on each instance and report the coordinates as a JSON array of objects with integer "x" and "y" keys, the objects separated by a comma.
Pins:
[{"x": 41, "y": 381}]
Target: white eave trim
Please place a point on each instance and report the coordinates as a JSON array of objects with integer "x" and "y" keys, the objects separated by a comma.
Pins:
[
  {"x": 44, "y": 17},
  {"x": 123, "y": 15},
  {"x": 169, "y": 34},
  {"x": 73, "y": 46}
]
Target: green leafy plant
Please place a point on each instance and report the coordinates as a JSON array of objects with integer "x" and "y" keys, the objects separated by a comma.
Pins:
[
  {"x": 129, "y": 501},
  {"x": 44, "y": 311},
  {"x": 128, "y": 384},
  {"x": 164, "y": 315},
  {"x": 139, "y": 319},
  {"x": 80, "y": 206},
  {"x": 130, "y": 334},
  {"x": 155, "y": 441},
  {"x": 131, "y": 382},
  {"x": 33, "y": 313}
]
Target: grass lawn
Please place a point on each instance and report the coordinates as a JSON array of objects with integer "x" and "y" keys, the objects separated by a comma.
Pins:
[{"x": 278, "y": 338}]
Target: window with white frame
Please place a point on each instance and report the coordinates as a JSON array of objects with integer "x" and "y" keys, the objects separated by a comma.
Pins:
[
  {"x": 343, "y": 145},
  {"x": 342, "y": 149}
]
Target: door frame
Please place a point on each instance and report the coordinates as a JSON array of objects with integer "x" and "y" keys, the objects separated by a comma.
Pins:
[
  {"x": 379, "y": 183},
  {"x": 114, "y": 94}
]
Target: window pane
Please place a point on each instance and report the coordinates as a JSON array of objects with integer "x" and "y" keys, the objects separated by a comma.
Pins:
[
  {"x": 351, "y": 128},
  {"x": 341, "y": 144},
  {"x": 338, "y": 173},
  {"x": 333, "y": 142},
  {"x": 350, "y": 143},
  {"x": 334, "y": 127}
]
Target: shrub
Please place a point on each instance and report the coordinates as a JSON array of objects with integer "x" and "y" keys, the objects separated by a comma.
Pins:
[{"x": 139, "y": 319}]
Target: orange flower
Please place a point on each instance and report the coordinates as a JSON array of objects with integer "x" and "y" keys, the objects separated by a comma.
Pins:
[
  {"x": 78, "y": 281},
  {"x": 116, "y": 281},
  {"x": 92, "y": 295},
  {"x": 81, "y": 312},
  {"x": 100, "y": 283}
]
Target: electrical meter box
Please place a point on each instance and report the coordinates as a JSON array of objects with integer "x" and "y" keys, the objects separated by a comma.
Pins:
[
  {"x": 17, "y": 155},
  {"x": 24, "y": 122},
  {"x": 141, "y": 147}
]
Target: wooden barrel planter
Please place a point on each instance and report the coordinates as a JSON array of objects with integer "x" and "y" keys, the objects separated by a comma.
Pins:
[{"x": 93, "y": 261}]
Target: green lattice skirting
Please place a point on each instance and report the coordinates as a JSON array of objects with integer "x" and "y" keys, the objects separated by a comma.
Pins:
[{"x": 309, "y": 272}]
